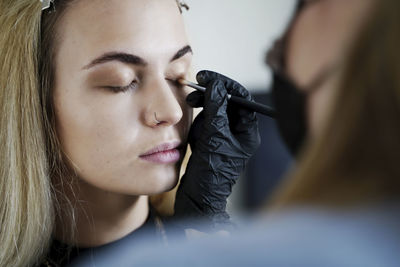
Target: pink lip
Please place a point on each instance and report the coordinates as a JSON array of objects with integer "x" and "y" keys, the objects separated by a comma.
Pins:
[{"x": 164, "y": 153}]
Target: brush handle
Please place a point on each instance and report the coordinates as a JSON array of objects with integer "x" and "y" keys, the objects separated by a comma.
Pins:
[
  {"x": 250, "y": 105},
  {"x": 253, "y": 106}
]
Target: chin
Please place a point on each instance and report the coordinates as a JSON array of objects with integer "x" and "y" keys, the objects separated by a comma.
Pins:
[{"x": 161, "y": 183}]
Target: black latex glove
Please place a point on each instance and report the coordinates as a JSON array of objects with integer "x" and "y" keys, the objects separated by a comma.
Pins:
[{"x": 222, "y": 138}]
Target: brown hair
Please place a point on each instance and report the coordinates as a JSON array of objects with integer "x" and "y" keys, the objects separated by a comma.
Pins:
[{"x": 355, "y": 160}]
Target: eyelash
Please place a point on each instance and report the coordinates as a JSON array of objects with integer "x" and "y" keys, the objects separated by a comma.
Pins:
[
  {"x": 175, "y": 82},
  {"x": 122, "y": 89},
  {"x": 133, "y": 85}
]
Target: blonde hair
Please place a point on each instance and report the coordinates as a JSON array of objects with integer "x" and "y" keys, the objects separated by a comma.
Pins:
[
  {"x": 355, "y": 160},
  {"x": 26, "y": 210},
  {"x": 34, "y": 173}
]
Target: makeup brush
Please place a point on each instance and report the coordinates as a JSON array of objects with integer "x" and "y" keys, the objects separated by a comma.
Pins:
[{"x": 252, "y": 106}]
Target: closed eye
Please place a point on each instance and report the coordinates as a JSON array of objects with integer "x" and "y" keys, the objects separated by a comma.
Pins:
[
  {"x": 121, "y": 89},
  {"x": 175, "y": 82}
]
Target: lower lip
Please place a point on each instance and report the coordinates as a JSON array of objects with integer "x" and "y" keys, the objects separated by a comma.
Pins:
[{"x": 164, "y": 157}]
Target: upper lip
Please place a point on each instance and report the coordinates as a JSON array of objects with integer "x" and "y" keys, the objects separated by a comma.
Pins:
[{"x": 163, "y": 147}]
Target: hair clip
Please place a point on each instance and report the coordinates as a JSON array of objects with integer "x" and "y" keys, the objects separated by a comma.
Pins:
[
  {"x": 46, "y": 4},
  {"x": 181, "y": 4}
]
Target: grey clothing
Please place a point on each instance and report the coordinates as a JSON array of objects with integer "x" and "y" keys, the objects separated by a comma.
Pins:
[{"x": 301, "y": 237}]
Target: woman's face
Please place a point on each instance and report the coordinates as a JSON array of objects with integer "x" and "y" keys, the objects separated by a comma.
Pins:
[
  {"x": 319, "y": 40},
  {"x": 122, "y": 123}
]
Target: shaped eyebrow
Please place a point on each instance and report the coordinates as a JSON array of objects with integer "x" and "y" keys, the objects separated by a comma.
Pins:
[
  {"x": 183, "y": 51},
  {"x": 132, "y": 59},
  {"x": 117, "y": 56}
]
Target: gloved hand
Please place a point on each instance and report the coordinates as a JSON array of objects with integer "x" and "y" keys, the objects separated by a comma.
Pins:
[{"x": 222, "y": 138}]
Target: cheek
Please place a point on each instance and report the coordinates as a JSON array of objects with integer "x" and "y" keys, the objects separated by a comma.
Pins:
[
  {"x": 95, "y": 131},
  {"x": 187, "y": 117},
  {"x": 186, "y": 120},
  {"x": 104, "y": 136}
]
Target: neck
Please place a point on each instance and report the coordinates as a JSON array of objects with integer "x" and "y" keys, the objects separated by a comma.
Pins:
[{"x": 100, "y": 217}]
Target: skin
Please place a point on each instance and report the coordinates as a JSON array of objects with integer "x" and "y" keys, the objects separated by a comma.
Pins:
[
  {"x": 319, "y": 39},
  {"x": 102, "y": 131}
]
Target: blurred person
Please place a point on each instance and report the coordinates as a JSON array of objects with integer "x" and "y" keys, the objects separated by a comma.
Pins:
[
  {"x": 337, "y": 92},
  {"x": 344, "y": 65},
  {"x": 93, "y": 124}
]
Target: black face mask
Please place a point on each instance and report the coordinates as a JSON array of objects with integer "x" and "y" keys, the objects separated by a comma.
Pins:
[
  {"x": 289, "y": 101},
  {"x": 290, "y": 107}
]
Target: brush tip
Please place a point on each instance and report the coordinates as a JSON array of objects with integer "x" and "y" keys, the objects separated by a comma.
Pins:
[{"x": 182, "y": 81}]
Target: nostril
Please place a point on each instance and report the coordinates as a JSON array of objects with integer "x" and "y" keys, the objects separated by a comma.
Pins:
[{"x": 158, "y": 122}]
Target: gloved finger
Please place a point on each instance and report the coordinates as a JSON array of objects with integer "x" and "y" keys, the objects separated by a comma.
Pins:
[
  {"x": 195, "y": 99},
  {"x": 215, "y": 110},
  {"x": 249, "y": 139},
  {"x": 205, "y": 77},
  {"x": 215, "y": 99},
  {"x": 244, "y": 124},
  {"x": 241, "y": 118},
  {"x": 240, "y": 91},
  {"x": 196, "y": 129}
]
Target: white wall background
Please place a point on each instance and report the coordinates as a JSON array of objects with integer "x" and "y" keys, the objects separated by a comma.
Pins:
[{"x": 232, "y": 36}]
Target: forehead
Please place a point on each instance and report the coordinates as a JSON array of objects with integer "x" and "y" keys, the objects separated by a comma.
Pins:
[{"x": 145, "y": 27}]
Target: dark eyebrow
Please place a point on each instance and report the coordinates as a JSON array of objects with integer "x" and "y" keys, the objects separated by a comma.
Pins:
[
  {"x": 118, "y": 56},
  {"x": 183, "y": 51},
  {"x": 132, "y": 59}
]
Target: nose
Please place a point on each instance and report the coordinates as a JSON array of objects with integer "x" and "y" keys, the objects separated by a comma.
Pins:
[{"x": 163, "y": 107}]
